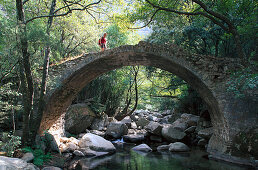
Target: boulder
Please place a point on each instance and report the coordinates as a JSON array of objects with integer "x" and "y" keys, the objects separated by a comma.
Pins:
[
  {"x": 170, "y": 118},
  {"x": 202, "y": 142},
  {"x": 190, "y": 119},
  {"x": 154, "y": 128},
  {"x": 78, "y": 118},
  {"x": 133, "y": 138},
  {"x": 134, "y": 117},
  {"x": 172, "y": 134},
  {"x": 180, "y": 124},
  {"x": 7, "y": 163},
  {"x": 158, "y": 115},
  {"x": 155, "y": 138},
  {"x": 178, "y": 147},
  {"x": 97, "y": 132},
  {"x": 206, "y": 133},
  {"x": 133, "y": 125},
  {"x": 142, "y": 122},
  {"x": 78, "y": 153},
  {"x": 51, "y": 142},
  {"x": 152, "y": 118},
  {"x": 167, "y": 112},
  {"x": 163, "y": 148},
  {"x": 89, "y": 152},
  {"x": 116, "y": 130},
  {"x": 127, "y": 120},
  {"x": 28, "y": 157},
  {"x": 190, "y": 129},
  {"x": 99, "y": 123},
  {"x": 142, "y": 148},
  {"x": 96, "y": 143}
]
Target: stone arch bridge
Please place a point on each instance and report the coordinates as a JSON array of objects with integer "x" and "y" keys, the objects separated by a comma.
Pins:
[{"x": 208, "y": 75}]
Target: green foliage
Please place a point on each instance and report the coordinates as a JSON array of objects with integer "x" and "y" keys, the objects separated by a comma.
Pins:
[
  {"x": 9, "y": 106},
  {"x": 198, "y": 33},
  {"x": 10, "y": 143},
  {"x": 242, "y": 82},
  {"x": 39, "y": 156}
]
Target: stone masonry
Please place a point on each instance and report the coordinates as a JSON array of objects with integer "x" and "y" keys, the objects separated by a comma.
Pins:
[{"x": 231, "y": 117}]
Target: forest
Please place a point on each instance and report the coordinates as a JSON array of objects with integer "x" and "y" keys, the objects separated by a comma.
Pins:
[{"x": 36, "y": 34}]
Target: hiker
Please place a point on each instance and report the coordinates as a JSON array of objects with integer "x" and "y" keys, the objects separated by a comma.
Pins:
[{"x": 103, "y": 42}]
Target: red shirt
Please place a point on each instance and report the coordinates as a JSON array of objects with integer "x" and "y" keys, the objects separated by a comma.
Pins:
[{"x": 103, "y": 40}]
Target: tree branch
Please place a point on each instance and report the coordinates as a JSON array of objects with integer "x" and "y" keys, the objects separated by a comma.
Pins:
[
  {"x": 148, "y": 21},
  {"x": 66, "y": 13},
  {"x": 191, "y": 14},
  {"x": 24, "y": 2},
  {"x": 10, "y": 70},
  {"x": 213, "y": 13}
]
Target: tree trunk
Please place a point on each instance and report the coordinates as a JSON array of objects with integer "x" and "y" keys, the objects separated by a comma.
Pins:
[
  {"x": 25, "y": 71},
  {"x": 44, "y": 74},
  {"x": 136, "y": 90}
]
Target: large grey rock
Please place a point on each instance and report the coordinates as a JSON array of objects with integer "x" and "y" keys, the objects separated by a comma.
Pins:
[
  {"x": 178, "y": 147},
  {"x": 142, "y": 148},
  {"x": 206, "y": 133},
  {"x": 28, "y": 157},
  {"x": 133, "y": 125},
  {"x": 99, "y": 123},
  {"x": 78, "y": 118},
  {"x": 163, "y": 148},
  {"x": 172, "y": 134},
  {"x": 90, "y": 152},
  {"x": 190, "y": 119},
  {"x": 116, "y": 129},
  {"x": 97, "y": 132},
  {"x": 202, "y": 142},
  {"x": 7, "y": 163},
  {"x": 142, "y": 122},
  {"x": 78, "y": 153},
  {"x": 51, "y": 142},
  {"x": 170, "y": 118},
  {"x": 127, "y": 120},
  {"x": 155, "y": 138},
  {"x": 154, "y": 128},
  {"x": 180, "y": 124},
  {"x": 96, "y": 143},
  {"x": 190, "y": 129},
  {"x": 134, "y": 138},
  {"x": 158, "y": 115},
  {"x": 152, "y": 118}
]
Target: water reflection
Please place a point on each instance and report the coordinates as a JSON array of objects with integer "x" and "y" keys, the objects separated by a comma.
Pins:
[{"x": 126, "y": 159}]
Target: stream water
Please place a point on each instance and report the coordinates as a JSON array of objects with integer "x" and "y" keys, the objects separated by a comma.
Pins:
[{"x": 126, "y": 159}]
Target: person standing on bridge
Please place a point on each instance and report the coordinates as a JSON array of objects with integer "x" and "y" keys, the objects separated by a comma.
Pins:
[{"x": 103, "y": 42}]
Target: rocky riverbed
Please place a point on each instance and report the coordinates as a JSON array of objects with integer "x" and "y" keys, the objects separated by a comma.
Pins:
[{"x": 88, "y": 136}]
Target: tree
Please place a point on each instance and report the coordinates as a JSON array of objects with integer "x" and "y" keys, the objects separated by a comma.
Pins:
[
  {"x": 199, "y": 8},
  {"x": 25, "y": 67}
]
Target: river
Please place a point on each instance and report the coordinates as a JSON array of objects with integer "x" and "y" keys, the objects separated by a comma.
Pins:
[{"x": 126, "y": 159}]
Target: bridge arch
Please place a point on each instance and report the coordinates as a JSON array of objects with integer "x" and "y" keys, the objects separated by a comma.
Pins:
[{"x": 206, "y": 74}]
